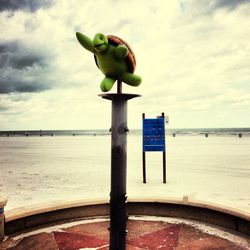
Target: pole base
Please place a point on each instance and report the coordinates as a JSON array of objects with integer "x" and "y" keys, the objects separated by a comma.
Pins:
[{"x": 113, "y": 96}]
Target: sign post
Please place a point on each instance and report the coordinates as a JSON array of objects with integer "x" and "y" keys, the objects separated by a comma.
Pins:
[{"x": 154, "y": 140}]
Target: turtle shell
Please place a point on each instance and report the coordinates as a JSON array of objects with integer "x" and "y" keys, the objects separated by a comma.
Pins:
[{"x": 115, "y": 41}]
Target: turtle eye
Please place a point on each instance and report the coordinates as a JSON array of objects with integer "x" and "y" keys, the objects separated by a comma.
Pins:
[{"x": 101, "y": 38}]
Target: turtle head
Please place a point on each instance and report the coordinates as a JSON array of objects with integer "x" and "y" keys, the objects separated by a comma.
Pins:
[{"x": 100, "y": 42}]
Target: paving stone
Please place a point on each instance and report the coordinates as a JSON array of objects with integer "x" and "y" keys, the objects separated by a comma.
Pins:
[
  {"x": 74, "y": 241},
  {"x": 39, "y": 241},
  {"x": 91, "y": 229},
  {"x": 129, "y": 247},
  {"x": 142, "y": 235},
  {"x": 166, "y": 238},
  {"x": 8, "y": 243},
  {"x": 140, "y": 227},
  {"x": 191, "y": 238}
]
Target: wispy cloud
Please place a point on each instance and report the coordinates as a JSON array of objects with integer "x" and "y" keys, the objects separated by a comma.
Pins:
[
  {"x": 25, "y": 5},
  {"x": 226, "y": 4},
  {"x": 193, "y": 57},
  {"x": 202, "y": 7}
]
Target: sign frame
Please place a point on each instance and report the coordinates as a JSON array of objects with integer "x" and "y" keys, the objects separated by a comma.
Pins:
[{"x": 153, "y": 140}]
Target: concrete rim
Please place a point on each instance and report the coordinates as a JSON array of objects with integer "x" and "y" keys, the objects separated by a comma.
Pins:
[
  {"x": 45, "y": 214},
  {"x": 21, "y": 212}
]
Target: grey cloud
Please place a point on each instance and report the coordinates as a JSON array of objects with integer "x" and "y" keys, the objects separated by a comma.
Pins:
[
  {"x": 31, "y": 24},
  {"x": 14, "y": 84},
  {"x": 3, "y": 108},
  {"x": 25, "y": 5},
  {"x": 123, "y": 22},
  {"x": 17, "y": 56},
  {"x": 229, "y": 4},
  {"x": 210, "y": 7},
  {"x": 22, "y": 69},
  {"x": 26, "y": 61}
]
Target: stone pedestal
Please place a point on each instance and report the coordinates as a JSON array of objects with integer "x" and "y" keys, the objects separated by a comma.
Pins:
[{"x": 3, "y": 202}]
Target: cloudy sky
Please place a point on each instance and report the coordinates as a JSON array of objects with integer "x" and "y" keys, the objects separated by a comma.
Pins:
[{"x": 193, "y": 56}]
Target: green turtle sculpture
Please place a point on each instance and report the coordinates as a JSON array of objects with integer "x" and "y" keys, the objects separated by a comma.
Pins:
[{"x": 114, "y": 57}]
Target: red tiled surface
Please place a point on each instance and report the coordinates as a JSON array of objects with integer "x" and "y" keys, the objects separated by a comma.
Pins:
[
  {"x": 139, "y": 227},
  {"x": 142, "y": 235},
  {"x": 200, "y": 240},
  {"x": 93, "y": 229},
  {"x": 166, "y": 238},
  {"x": 74, "y": 241},
  {"x": 35, "y": 242}
]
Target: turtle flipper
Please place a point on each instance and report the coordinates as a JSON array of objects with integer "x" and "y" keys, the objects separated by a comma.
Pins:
[
  {"x": 86, "y": 42},
  {"x": 121, "y": 51},
  {"x": 131, "y": 79},
  {"x": 107, "y": 84}
]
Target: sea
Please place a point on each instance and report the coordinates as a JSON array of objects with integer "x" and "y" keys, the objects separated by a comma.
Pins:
[
  {"x": 178, "y": 131},
  {"x": 210, "y": 165}
]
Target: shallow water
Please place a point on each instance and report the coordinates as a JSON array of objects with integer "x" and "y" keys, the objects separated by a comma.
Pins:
[{"x": 41, "y": 169}]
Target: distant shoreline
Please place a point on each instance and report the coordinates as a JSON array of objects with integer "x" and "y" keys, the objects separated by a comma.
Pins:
[{"x": 97, "y": 132}]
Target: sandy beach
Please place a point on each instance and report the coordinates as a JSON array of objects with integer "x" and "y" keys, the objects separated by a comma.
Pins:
[{"x": 44, "y": 169}]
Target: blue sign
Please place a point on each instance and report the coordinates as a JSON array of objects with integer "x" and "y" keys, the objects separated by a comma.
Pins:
[{"x": 154, "y": 134}]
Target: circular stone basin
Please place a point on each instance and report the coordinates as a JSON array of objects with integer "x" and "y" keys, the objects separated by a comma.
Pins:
[{"x": 144, "y": 232}]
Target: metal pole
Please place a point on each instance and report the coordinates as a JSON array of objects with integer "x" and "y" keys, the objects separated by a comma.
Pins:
[
  {"x": 144, "y": 166},
  {"x": 118, "y": 214},
  {"x": 143, "y": 159},
  {"x": 164, "y": 166},
  {"x": 119, "y": 87},
  {"x": 164, "y": 155}
]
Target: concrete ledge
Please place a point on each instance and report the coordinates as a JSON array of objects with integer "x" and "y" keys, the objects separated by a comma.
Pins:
[
  {"x": 3, "y": 202},
  {"x": 45, "y": 214},
  {"x": 186, "y": 200},
  {"x": 190, "y": 212},
  {"x": 27, "y": 218},
  {"x": 22, "y": 212}
]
